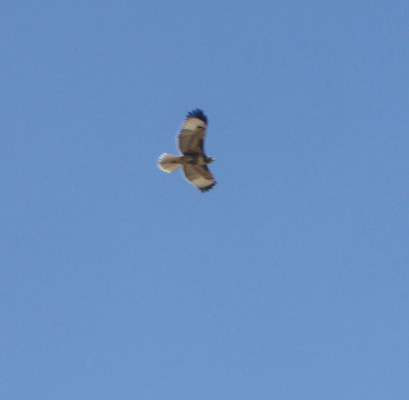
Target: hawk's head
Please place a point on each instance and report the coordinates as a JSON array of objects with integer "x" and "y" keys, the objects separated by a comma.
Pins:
[{"x": 208, "y": 160}]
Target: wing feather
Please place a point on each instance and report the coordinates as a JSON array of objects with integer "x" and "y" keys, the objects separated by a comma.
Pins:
[
  {"x": 199, "y": 176},
  {"x": 191, "y": 135}
]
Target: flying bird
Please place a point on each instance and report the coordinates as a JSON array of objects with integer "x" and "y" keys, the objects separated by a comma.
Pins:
[{"x": 193, "y": 160}]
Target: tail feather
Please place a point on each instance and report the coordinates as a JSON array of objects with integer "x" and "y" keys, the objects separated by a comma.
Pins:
[{"x": 168, "y": 163}]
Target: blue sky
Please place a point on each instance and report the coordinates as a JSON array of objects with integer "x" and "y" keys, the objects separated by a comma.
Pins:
[{"x": 289, "y": 280}]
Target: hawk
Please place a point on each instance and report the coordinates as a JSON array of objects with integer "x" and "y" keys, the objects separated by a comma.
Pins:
[{"x": 193, "y": 160}]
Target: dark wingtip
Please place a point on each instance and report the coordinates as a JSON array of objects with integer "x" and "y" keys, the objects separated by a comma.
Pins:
[
  {"x": 197, "y": 113},
  {"x": 207, "y": 188}
]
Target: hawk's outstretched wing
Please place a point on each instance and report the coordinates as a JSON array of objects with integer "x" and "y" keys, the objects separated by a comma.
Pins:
[
  {"x": 200, "y": 176},
  {"x": 192, "y": 133}
]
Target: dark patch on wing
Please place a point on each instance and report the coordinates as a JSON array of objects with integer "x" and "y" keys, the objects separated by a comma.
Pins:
[
  {"x": 203, "y": 171},
  {"x": 200, "y": 144},
  {"x": 197, "y": 113},
  {"x": 207, "y": 188}
]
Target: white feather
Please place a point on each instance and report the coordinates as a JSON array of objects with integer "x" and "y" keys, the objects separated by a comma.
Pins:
[{"x": 169, "y": 163}]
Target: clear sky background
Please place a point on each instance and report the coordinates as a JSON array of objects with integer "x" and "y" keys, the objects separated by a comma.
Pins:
[{"x": 289, "y": 280}]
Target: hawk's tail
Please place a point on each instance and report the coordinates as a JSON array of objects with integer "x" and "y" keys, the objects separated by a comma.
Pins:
[{"x": 169, "y": 163}]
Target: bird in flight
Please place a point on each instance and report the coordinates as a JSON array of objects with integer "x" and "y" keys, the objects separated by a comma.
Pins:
[{"x": 193, "y": 160}]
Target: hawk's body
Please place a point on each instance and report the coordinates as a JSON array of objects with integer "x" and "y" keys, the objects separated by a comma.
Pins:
[{"x": 193, "y": 159}]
